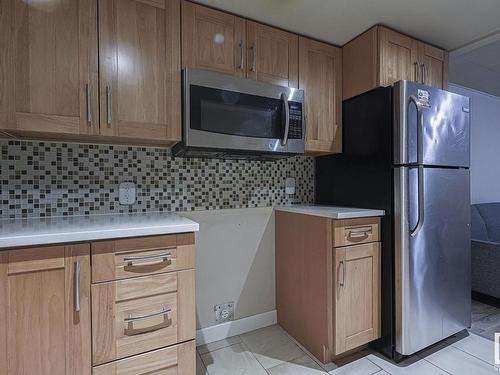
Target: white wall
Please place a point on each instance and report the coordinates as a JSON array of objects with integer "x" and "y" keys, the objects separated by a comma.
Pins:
[
  {"x": 234, "y": 262},
  {"x": 485, "y": 144}
]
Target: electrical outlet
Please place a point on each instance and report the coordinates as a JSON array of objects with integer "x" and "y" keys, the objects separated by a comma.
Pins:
[
  {"x": 290, "y": 186},
  {"x": 224, "y": 312},
  {"x": 127, "y": 193}
]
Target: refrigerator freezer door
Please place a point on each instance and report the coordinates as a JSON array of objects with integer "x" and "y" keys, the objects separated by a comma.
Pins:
[
  {"x": 444, "y": 122},
  {"x": 432, "y": 268}
]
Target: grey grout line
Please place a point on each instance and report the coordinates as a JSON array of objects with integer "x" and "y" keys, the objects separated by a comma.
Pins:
[
  {"x": 442, "y": 369},
  {"x": 381, "y": 369},
  {"x": 306, "y": 352},
  {"x": 472, "y": 355},
  {"x": 422, "y": 359},
  {"x": 251, "y": 353}
]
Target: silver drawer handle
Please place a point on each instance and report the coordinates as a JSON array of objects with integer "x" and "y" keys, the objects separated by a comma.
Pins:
[
  {"x": 76, "y": 280},
  {"x": 132, "y": 318},
  {"x": 146, "y": 258},
  {"x": 343, "y": 282},
  {"x": 358, "y": 233}
]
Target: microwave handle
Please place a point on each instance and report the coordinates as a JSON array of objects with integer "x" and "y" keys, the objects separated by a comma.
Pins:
[{"x": 287, "y": 119}]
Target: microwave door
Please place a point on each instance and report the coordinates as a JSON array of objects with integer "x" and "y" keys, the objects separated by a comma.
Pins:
[{"x": 231, "y": 120}]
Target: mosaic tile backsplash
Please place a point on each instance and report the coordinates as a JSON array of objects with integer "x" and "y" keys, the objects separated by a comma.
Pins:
[{"x": 40, "y": 179}]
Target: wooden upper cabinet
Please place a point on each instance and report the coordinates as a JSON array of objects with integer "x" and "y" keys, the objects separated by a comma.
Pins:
[
  {"x": 381, "y": 57},
  {"x": 48, "y": 65},
  {"x": 398, "y": 57},
  {"x": 212, "y": 40},
  {"x": 320, "y": 76},
  {"x": 42, "y": 331},
  {"x": 357, "y": 295},
  {"x": 360, "y": 61},
  {"x": 433, "y": 66},
  {"x": 139, "y": 58},
  {"x": 272, "y": 55}
]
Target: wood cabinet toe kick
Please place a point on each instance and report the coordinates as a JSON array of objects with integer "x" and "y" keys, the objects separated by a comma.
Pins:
[
  {"x": 328, "y": 282},
  {"x": 113, "y": 307}
]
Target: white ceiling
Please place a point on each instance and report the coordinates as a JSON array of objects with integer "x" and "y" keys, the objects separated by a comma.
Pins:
[
  {"x": 449, "y": 24},
  {"x": 478, "y": 65}
]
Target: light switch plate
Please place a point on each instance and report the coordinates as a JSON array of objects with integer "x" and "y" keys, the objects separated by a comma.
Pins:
[
  {"x": 290, "y": 186},
  {"x": 127, "y": 193}
]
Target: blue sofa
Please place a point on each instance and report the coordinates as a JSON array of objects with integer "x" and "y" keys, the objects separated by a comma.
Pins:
[{"x": 485, "y": 248}]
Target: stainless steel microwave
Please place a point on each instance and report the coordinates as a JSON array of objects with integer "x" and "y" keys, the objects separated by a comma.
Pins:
[{"x": 230, "y": 117}]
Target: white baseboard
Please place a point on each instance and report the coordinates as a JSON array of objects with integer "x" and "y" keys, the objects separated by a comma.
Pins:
[{"x": 235, "y": 327}]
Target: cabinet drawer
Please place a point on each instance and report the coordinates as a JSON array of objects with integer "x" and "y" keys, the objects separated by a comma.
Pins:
[
  {"x": 356, "y": 231},
  {"x": 132, "y": 257},
  {"x": 177, "y": 359},
  {"x": 141, "y": 314}
]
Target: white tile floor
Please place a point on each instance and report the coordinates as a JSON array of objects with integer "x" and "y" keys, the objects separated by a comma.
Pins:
[{"x": 272, "y": 351}]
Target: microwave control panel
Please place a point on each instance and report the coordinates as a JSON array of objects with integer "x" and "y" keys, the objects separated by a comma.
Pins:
[{"x": 295, "y": 131}]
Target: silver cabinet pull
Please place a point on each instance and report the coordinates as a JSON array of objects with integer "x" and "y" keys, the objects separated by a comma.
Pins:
[
  {"x": 252, "y": 48},
  {"x": 284, "y": 140},
  {"x": 359, "y": 232},
  {"x": 343, "y": 282},
  {"x": 242, "y": 54},
  {"x": 88, "y": 103},
  {"x": 109, "y": 118},
  {"x": 146, "y": 258},
  {"x": 76, "y": 282},
  {"x": 423, "y": 75},
  {"x": 415, "y": 65},
  {"x": 132, "y": 318}
]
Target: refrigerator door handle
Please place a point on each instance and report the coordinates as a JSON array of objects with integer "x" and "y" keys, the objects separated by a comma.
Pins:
[
  {"x": 420, "y": 162},
  {"x": 421, "y": 201},
  {"x": 420, "y": 125}
]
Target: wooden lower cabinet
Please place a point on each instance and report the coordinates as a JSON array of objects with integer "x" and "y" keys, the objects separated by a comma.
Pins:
[
  {"x": 45, "y": 310},
  {"x": 174, "y": 360},
  {"x": 328, "y": 298},
  {"x": 140, "y": 256},
  {"x": 128, "y": 320},
  {"x": 357, "y": 295},
  {"x": 138, "y": 315}
]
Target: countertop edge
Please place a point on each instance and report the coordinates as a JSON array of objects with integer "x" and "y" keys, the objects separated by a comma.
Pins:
[
  {"x": 321, "y": 212},
  {"x": 95, "y": 235}
]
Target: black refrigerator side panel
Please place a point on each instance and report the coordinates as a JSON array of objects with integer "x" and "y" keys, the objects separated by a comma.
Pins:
[{"x": 362, "y": 176}]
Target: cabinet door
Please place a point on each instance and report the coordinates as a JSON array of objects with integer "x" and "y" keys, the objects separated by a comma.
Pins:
[
  {"x": 398, "y": 57},
  {"x": 139, "y": 46},
  {"x": 434, "y": 66},
  {"x": 357, "y": 296},
  {"x": 48, "y": 66},
  {"x": 320, "y": 72},
  {"x": 42, "y": 330},
  {"x": 273, "y": 55},
  {"x": 212, "y": 40}
]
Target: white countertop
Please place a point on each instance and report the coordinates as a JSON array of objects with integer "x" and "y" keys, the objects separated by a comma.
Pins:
[
  {"x": 333, "y": 212},
  {"x": 42, "y": 231}
]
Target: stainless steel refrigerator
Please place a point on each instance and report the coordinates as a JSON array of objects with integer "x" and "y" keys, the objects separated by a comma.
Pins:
[{"x": 406, "y": 150}]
